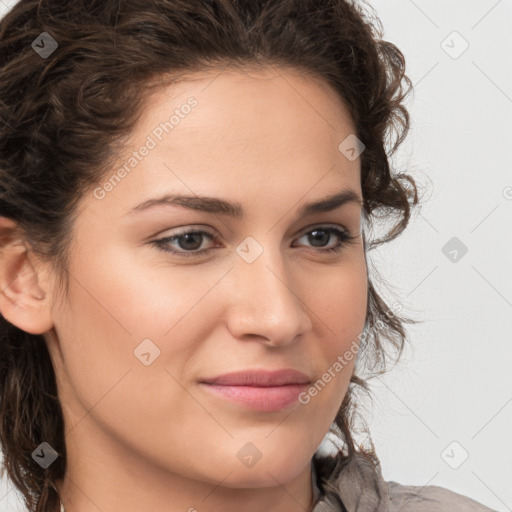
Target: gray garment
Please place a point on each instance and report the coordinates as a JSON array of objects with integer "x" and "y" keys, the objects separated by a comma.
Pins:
[{"x": 360, "y": 489}]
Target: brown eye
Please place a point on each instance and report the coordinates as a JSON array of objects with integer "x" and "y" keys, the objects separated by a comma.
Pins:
[
  {"x": 188, "y": 243},
  {"x": 320, "y": 235}
]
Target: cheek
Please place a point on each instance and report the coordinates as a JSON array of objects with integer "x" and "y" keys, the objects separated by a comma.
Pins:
[
  {"x": 107, "y": 384},
  {"x": 115, "y": 302},
  {"x": 340, "y": 301},
  {"x": 338, "y": 305}
]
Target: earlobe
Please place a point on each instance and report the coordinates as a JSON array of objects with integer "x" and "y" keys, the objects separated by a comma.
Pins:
[{"x": 24, "y": 302}]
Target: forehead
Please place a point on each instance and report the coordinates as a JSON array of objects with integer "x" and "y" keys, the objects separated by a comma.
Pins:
[
  {"x": 244, "y": 104},
  {"x": 249, "y": 134}
]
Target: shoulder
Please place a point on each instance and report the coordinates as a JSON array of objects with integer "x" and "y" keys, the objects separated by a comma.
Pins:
[
  {"x": 430, "y": 498},
  {"x": 360, "y": 487}
]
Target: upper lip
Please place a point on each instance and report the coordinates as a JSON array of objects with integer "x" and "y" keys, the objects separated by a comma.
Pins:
[{"x": 263, "y": 378}]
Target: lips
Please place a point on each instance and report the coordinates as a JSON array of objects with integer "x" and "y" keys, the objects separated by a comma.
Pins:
[
  {"x": 259, "y": 378},
  {"x": 259, "y": 390}
]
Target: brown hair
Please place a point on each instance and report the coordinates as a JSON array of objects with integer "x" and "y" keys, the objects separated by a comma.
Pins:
[{"x": 64, "y": 117}]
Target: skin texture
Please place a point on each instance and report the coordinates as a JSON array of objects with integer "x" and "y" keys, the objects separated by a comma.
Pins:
[{"x": 150, "y": 436}]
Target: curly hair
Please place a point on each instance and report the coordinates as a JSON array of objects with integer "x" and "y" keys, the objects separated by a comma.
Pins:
[{"x": 64, "y": 116}]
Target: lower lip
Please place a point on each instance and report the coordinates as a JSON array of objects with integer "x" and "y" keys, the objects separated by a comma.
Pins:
[{"x": 266, "y": 399}]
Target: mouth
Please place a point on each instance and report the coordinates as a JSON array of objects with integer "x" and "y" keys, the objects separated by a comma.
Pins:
[{"x": 259, "y": 389}]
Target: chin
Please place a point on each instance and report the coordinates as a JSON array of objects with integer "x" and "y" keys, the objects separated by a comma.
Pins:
[{"x": 264, "y": 473}]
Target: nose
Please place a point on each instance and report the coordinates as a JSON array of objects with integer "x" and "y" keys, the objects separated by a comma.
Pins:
[{"x": 268, "y": 301}]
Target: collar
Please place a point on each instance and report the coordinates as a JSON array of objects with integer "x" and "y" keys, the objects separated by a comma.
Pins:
[{"x": 360, "y": 488}]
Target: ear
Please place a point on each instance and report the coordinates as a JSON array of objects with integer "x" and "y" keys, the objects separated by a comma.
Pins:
[{"x": 24, "y": 297}]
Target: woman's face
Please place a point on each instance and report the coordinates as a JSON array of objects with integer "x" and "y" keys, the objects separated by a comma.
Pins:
[{"x": 142, "y": 327}]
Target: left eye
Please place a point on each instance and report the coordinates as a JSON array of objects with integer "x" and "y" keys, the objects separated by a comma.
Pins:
[{"x": 190, "y": 241}]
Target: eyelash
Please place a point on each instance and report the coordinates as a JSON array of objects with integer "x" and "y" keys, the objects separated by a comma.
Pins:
[{"x": 344, "y": 239}]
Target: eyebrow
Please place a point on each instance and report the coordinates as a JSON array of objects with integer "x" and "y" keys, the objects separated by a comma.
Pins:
[{"x": 233, "y": 209}]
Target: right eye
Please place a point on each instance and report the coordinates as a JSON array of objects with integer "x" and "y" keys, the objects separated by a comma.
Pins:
[{"x": 187, "y": 237}]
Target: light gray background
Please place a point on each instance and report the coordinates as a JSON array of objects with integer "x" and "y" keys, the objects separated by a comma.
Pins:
[{"x": 454, "y": 383}]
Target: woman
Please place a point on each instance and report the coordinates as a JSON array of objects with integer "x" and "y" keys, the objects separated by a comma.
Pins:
[{"x": 142, "y": 373}]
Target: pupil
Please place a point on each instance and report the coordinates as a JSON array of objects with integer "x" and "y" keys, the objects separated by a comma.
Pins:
[
  {"x": 189, "y": 236},
  {"x": 325, "y": 235}
]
